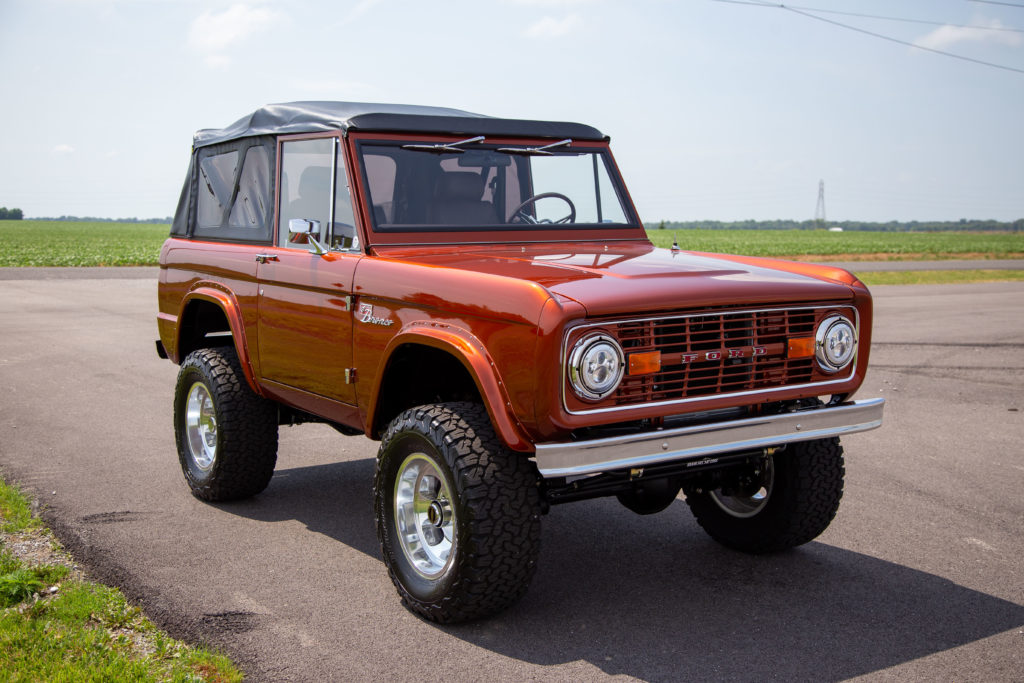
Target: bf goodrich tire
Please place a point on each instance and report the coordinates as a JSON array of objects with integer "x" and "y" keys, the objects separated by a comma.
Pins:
[
  {"x": 458, "y": 514},
  {"x": 226, "y": 434},
  {"x": 793, "y": 498}
]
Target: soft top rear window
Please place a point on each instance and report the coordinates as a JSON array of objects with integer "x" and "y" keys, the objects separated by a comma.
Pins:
[{"x": 416, "y": 187}]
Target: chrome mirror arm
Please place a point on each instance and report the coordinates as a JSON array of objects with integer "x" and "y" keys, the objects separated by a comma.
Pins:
[{"x": 302, "y": 226}]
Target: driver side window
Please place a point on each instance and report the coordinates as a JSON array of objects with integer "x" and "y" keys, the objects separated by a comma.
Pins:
[{"x": 306, "y": 173}]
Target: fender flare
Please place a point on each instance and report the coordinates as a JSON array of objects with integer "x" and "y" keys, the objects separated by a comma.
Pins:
[
  {"x": 469, "y": 351},
  {"x": 226, "y": 302}
]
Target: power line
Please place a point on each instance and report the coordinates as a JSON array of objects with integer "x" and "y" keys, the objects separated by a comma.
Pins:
[
  {"x": 818, "y": 10},
  {"x": 876, "y": 35},
  {"x": 995, "y": 2}
]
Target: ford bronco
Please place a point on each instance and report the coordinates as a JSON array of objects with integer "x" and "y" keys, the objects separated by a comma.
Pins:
[{"x": 480, "y": 296}]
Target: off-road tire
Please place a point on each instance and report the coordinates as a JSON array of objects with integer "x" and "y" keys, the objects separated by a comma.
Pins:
[
  {"x": 246, "y": 428},
  {"x": 803, "y": 500},
  {"x": 495, "y": 499}
]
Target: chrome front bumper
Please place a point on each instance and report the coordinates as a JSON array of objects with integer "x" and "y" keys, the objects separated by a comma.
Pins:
[{"x": 700, "y": 441}]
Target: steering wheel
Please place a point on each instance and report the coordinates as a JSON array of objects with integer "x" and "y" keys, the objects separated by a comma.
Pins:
[{"x": 520, "y": 216}]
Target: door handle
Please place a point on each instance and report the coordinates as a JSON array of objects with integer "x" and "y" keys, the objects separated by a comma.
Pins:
[{"x": 263, "y": 258}]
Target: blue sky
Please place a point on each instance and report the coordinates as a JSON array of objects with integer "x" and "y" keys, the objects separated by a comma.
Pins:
[{"x": 717, "y": 111}]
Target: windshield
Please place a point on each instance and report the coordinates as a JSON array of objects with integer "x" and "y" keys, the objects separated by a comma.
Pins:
[{"x": 472, "y": 186}]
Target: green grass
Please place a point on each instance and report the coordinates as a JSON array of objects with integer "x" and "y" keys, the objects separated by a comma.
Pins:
[
  {"x": 940, "y": 277},
  {"x": 15, "y": 511},
  {"x": 848, "y": 245},
  {"x": 65, "y": 243},
  {"x": 59, "y": 243},
  {"x": 84, "y": 631}
]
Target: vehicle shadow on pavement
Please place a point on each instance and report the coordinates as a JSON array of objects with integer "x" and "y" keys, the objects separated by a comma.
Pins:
[
  {"x": 335, "y": 500},
  {"x": 654, "y": 598}
]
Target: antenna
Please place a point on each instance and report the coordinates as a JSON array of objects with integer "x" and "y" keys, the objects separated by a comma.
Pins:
[{"x": 819, "y": 210}]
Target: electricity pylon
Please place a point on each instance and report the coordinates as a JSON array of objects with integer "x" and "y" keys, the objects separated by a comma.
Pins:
[{"x": 819, "y": 210}]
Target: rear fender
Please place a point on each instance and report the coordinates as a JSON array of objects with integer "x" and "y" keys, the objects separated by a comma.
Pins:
[{"x": 229, "y": 305}]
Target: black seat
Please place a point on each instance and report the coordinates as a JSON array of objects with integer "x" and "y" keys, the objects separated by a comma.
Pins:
[{"x": 458, "y": 201}]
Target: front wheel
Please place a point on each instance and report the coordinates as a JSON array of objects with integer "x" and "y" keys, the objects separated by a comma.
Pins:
[
  {"x": 788, "y": 499},
  {"x": 457, "y": 513}
]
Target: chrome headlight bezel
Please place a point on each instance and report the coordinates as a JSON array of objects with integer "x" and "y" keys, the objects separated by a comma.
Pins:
[
  {"x": 835, "y": 343},
  {"x": 596, "y": 366}
]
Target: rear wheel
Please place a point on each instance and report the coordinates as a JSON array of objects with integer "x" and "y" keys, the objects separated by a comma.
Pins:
[
  {"x": 226, "y": 434},
  {"x": 788, "y": 499},
  {"x": 458, "y": 514}
]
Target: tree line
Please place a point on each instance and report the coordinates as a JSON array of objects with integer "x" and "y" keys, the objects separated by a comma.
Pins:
[
  {"x": 10, "y": 214},
  {"x": 962, "y": 225},
  {"x": 95, "y": 219}
]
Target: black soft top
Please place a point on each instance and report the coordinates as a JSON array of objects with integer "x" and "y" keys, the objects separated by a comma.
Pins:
[{"x": 316, "y": 117}]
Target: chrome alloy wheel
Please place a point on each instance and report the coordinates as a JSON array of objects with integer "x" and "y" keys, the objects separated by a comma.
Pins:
[
  {"x": 425, "y": 516},
  {"x": 749, "y": 498},
  {"x": 201, "y": 426}
]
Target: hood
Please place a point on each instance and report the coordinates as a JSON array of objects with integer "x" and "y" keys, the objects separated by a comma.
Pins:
[{"x": 638, "y": 277}]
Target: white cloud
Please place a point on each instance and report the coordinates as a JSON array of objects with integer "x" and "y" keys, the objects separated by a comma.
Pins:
[
  {"x": 551, "y": 3},
  {"x": 947, "y": 36},
  {"x": 361, "y": 8},
  {"x": 212, "y": 33},
  {"x": 549, "y": 27},
  {"x": 63, "y": 149}
]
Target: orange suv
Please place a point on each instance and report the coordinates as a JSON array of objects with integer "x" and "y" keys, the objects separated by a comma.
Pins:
[{"x": 480, "y": 296}]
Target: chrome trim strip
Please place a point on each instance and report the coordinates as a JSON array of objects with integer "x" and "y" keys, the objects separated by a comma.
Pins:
[
  {"x": 700, "y": 441},
  {"x": 680, "y": 401}
]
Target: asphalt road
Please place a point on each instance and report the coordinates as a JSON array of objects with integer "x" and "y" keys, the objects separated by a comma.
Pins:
[{"x": 919, "y": 578}]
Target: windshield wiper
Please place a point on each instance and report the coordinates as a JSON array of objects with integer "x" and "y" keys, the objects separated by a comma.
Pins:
[
  {"x": 445, "y": 147},
  {"x": 534, "y": 151}
]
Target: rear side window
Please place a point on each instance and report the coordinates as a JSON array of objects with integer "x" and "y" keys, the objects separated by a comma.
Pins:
[
  {"x": 216, "y": 184},
  {"x": 233, "y": 190},
  {"x": 252, "y": 204}
]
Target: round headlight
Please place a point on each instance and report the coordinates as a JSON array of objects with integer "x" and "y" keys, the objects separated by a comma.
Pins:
[
  {"x": 835, "y": 343},
  {"x": 595, "y": 366}
]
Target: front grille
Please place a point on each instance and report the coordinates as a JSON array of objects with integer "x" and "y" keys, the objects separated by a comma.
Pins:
[{"x": 717, "y": 353}]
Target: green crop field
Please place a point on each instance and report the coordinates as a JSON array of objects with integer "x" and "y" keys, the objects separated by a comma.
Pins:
[
  {"x": 877, "y": 246},
  {"x": 60, "y": 243},
  {"x": 64, "y": 243}
]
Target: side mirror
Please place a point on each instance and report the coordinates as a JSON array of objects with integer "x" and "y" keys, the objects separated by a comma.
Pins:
[{"x": 311, "y": 230}]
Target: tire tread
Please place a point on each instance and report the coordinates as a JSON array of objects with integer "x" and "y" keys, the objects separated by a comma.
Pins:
[
  {"x": 246, "y": 425},
  {"x": 499, "y": 493},
  {"x": 810, "y": 486}
]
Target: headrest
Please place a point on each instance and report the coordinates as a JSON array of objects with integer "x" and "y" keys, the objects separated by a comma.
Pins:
[
  {"x": 461, "y": 185},
  {"x": 315, "y": 180}
]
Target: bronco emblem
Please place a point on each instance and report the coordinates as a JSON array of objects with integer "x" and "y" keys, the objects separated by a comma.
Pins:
[{"x": 366, "y": 315}]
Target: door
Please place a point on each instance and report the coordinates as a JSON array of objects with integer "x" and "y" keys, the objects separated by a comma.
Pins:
[{"x": 305, "y": 309}]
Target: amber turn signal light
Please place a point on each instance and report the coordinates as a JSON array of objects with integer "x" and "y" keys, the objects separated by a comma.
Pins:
[
  {"x": 801, "y": 348},
  {"x": 647, "y": 362}
]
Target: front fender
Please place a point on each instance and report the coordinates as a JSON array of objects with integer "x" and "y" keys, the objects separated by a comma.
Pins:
[{"x": 469, "y": 351}]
